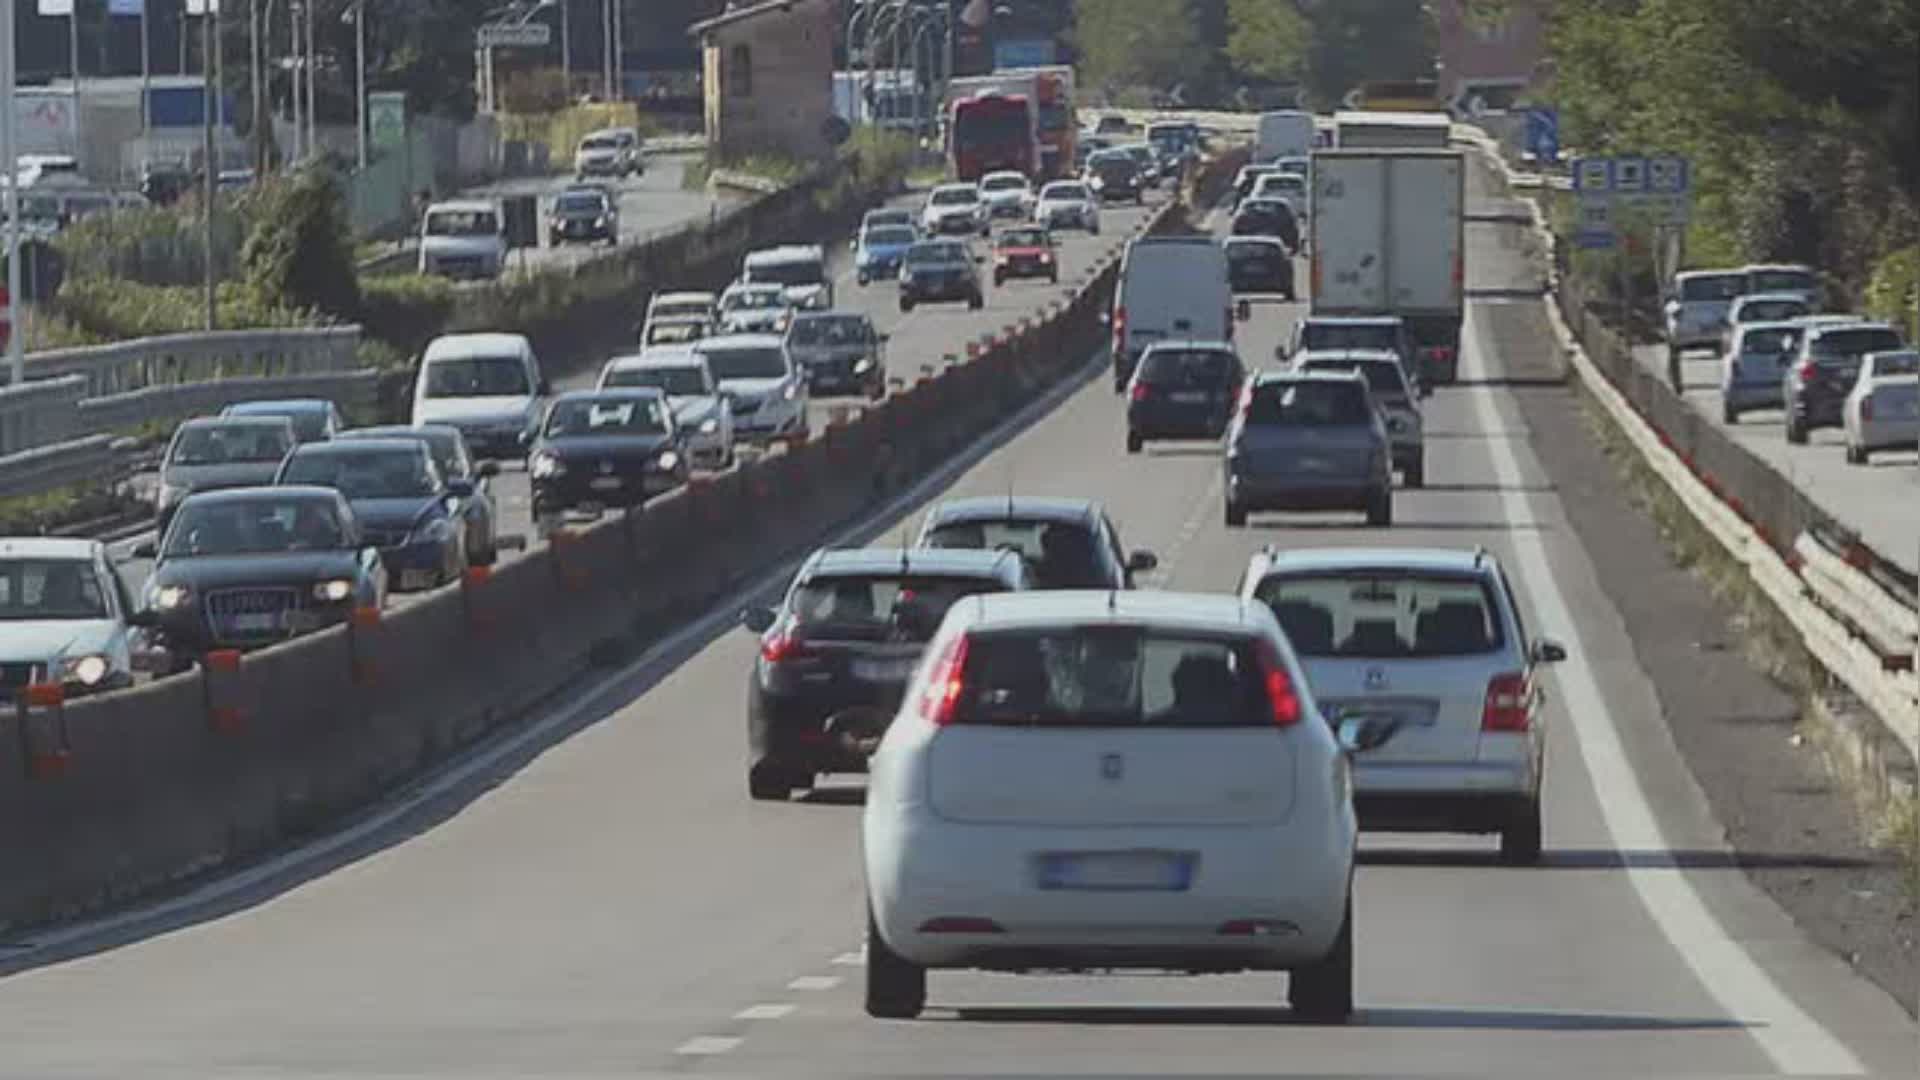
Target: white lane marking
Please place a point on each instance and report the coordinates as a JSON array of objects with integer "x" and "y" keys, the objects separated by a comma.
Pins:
[
  {"x": 1796, "y": 1042},
  {"x": 708, "y": 1045},
  {"x": 814, "y": 982},
  {"x": 764, "y": 1012},
  {"x": 851, "y": 959}
]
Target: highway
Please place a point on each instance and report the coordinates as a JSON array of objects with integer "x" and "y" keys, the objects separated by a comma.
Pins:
[{"x": 595, "y": 896}]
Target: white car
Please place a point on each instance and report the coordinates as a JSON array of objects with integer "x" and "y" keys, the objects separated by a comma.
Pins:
[
  {"x": 698, "y": 408},
  {"x": 673, "y": 305},
  {"x": 953, "y": 209},
  {"x": 1696, "y": 311},
  {"x": 1083, "y": 781},
  {"x": 754, "y": 309},
  {"x": 488, "y": 386},
  {"x": 612, "y": 152},
  {"x": 63, "y": 616},
  {"x": 1291, "y": 187},
  {"x": 1761, "y": 308},
  {"x": 764, "y": 388},
  {"x": 464, "y": 239},
  {"x": 1007, "y": 194},
  {"x": 1428, "y": 647},
  {"x": 1883, "y": 409},
  {"x": 1064, "y": 203}
]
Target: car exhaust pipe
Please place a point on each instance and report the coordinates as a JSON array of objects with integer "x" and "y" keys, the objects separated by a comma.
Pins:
[{"x": 857, "y": 730}]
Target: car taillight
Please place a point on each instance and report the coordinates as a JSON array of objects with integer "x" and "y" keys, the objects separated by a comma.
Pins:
[
  {"x": 945, "y": 682},
  {"x": 1805, "y": 371},
  {"x": 1866, "y": 408},
  {"x": 1441, "y": 353},
  {"x": 1282, "y": 698},
  {"x": 1507, "y": 701},
  {"x": 1119, "y": 330},
  {"x": 782, "y": 646},
  {"x": 1141, "y": 391},
  {"x": 1229, "y": 323}
]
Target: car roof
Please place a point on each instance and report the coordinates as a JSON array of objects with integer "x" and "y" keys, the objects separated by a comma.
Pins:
[
  {"x": 1190, "y": 345},
  {"x": 1252, "y": 241},
  {"x": 1004, "y": 507},
  {"x": 460, "y": 346},
  {"x": 49, "y": 547},
  {"x": 1817, "y": 329},
  {"x": 237, "y": 421},
  {"x": 1216, "y": 612},
  {"x": 787, "y": 253},
  {"x": 1005, "y": 174},
  {"x": 401, "y": 431},
  {"x": 739, "y": 341},
  {"x": 312, "y": 492},
  {"x": 956, "y": 187},
  {"x": 686, "y": 296},
  {"x": 1296, "y": 375},
  {"x": 1689, "y": 275},
  {"x": 364, "y": 445},
  {"x": 1770, "y": 324},
  {"x": 466, "y": 206},
  {"x": 1353, "y": 320},
  {"x": 1797, "y": 267},
  {"x": 657, "y": 356},
  {"x": 884, "y": 560},
  {"x": 287, "y": 405},
  {"x": 1776, "y": 297},
  {"x": 1446, "y": 560},
  {"x": 755, "y": 286},
  {"x": 1379, "y": 356}
]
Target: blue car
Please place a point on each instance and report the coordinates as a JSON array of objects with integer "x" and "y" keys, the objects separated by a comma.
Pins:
[
  {"x": 877, "y": 254},
  {"x": 406, "y": 507},
  {"x": 314, "y": 419}
]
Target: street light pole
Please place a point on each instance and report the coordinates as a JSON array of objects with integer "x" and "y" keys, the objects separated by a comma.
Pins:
[
  {"x": 210, "y": 168},
  {"x": 360, "y": 78},
  {"x": 606, "y": 48},
  {"x": 293, "y": 80},
  {"x": 313, "y": 121},
  {"x": 566, "y": 46},
  {"x": 16, "y": 345}
]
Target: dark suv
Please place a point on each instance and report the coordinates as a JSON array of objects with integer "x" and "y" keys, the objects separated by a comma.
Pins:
[
  {"x": 1115, "y": 175},
  {"x": 1823, "y": 370}
]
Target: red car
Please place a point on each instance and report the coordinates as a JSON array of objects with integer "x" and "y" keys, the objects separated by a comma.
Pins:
[{"x": 1025, "y": 253}]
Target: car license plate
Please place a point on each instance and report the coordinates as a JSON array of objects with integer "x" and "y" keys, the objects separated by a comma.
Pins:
[
  {"x": 256, "y": 622},
  {"x": 888, "y": 671},
  {"x": 605, "y": 483},
  {"x": 1119, "y": 871},
  {"x": 415, "y": 579},
  {"x": 1314, "y": 465},
  {"x": 1191, "y": 397}
]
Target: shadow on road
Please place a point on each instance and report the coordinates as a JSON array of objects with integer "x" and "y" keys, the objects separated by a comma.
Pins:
[{"x": 1413, "y": 1018}]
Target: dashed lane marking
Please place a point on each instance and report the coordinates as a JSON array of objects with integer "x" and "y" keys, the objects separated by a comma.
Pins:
[
  {"x": 851, "y": 959},
  {"x": 765, "y": 1012},
  {"x": 708, "y": 1045},
  {"x": 814, "y": 982}
]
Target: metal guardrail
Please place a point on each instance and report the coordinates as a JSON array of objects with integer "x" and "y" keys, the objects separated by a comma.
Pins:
[
  {"x": 39, "y": 413},
  {"x": 61, "y": 465},
  {"x": 175, "y": 358},
  {"x": 170, "y": 403}
]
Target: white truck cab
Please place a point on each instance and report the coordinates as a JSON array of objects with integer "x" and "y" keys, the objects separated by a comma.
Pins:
[{"x": 466, "y": 238}]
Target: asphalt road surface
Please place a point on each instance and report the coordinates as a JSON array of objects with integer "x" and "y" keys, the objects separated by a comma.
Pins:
[{"x": 595, "y": 896}]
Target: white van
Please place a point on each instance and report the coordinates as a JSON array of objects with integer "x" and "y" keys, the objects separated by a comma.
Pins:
[
  {"x": 487, "y": 385},
  {"x": 1286, "y": 133},
  {"x": 800, "y": 268},
  {"x": 1172, "y": 288},
  {"x": 464, "y": 238}
]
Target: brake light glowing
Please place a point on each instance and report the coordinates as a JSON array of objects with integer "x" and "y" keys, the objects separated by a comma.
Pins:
[
  {"x": 1141, "y": 391},
  {"x": 1805, "y": 372},
  {"x": 1282, "y": 698},
  {"x": 782, "y": 646},
  {"x": 1508, "y": 696},
  {"x": 1119, "y": 330},
  {"x": 945, "y": 682}
]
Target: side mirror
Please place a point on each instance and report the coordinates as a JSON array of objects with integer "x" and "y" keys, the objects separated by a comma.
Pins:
[
  {"x": 487, "y": 469},
  {"x": 757, "y": 619},
  {"x": 1548, "y": 651},
  {"x": 146, "y": 549},
  {"x": 1142, "y": 561},
  {"x": 1243, "y": 310},
  {"x": 1280, "y": 353},
  {"x": 370, "y": 554},
  {"x": 460, "y": 488},
  {"x": 1359, "y": 734},
  {"x": 1426, "y": 389},
  {"x": 980, "y": 258},
  {"x": 883, "y": 338}
]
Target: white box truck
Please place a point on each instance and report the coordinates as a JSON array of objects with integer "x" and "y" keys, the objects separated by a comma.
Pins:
[
  {"x": 1389, "y": 239},
  {"x": 1362, "y": 130},
  {"x": 1286, "y": 133}
]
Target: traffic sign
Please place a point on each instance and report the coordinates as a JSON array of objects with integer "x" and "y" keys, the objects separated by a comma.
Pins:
[
  {"x": 520, "y": 36},
  {"x": 1593, "y": 228},
  {"x": 1669, "y": 175},
  {"x": 1629, "y": 175},
  {"x": 1543, "y": 134},
  {"x": 1593, "y": 175}
]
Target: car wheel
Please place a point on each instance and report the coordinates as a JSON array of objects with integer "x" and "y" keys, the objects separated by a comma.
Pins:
[
  {"x": 1856, "y": 456},
  {"x": 1728, "y": 414},
  {"x": 862, "y": 278},
  {"x": 1323, "y": 990},
  {"x": 767, "y": 782},
  {"x": 1796, "y": 432},
  {"x": 999, "y": 280},
  {"x": 1236, "y": 514},
  {"x": 975, "y": 302},
  {"x": 1520, "y": 837},
  {"x": 1380, "y": 509},
  {"x": 906, "y": 304},
  {"x": 1134, "y": 442},
  {"x": 896, "y": 987},
  {"x": 1417, "y": 472}
]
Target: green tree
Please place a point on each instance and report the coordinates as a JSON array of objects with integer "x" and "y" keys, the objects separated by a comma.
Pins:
[
  {"x": 1267, "y": 39},
  {"x": 1134, "y": 43},
  {"x": 1357, "y": 40},
  {"x": 300, "y": 251}
]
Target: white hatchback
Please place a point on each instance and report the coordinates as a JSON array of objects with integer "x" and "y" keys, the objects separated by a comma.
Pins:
[
  {"x": 1085, "y": 781},
  {"x": 1882, "y": 411}
]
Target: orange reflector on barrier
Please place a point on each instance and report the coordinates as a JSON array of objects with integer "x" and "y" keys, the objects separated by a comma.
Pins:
[
  {"x": 474, "y": 576},
  {"x": 224, "y": 660},
  {"x": 227, "y": 719},
  {"x": 48, "y": 764},
  {"x": 46, "y": 695},
  {"x": 366, "y": 615}
]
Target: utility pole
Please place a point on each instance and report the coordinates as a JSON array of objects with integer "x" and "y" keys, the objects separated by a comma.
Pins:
[
  {"x": 360, "y": 78},
  {"x": 255, "y": 88},
  {"x": 566, "y": 47},
  {"x": 146, "y": 71},
  {"x": 16, "y": 343},
  {"x": 209, "y": 167},
  {"x": 606, "y": 42},
  {"x": 293, "y": 80},
  {"x": 619, "y": 92},
  {"x": 313, "y": 121},
  {"x": 73, "y": 62}
]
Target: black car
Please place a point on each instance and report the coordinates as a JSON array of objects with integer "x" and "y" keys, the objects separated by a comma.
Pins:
[
  {"x": 1067, "y": 543},
  {"x": 248, "y": 567},
  {"x": 1246, "y": 179},
  {"x": 1114, "y": 175},
  {"x": 404, "y": 506},
  {"x": 1268, "y": 217},
  {"x": 584, "y": 214},
  {"x": 935, "y": 270},
  {"x": 1183, "y": 390},
  {"x": 840, "y": 351},
  {"x": 478, "y": 509},
  {"x": 1259, "y": 264},
  {"x": 836, "y": 656},
  {"x": 604, "y": 449},
  {"x": 209, "y": 453}
]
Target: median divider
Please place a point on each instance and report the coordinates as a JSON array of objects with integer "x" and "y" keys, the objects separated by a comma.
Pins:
[{"x": 172, "y": 778}]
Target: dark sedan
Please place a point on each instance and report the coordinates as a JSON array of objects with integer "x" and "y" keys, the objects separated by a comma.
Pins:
[
  {"x": 940, "y": 270},
  {"x": 405, "y": 507},
  {"x": 209, "y": 453},
  {"x": 480, "y": 511},
  {"x": 1183, "y": 390},
  {"x": 1067, "y": 543},
  {"x": 605, "y": 449},
  {"x": 1268, "y": 217},
  {"x": 836, "y": 656},
  {"x": 1115, "y": 175},
  {"x": 1259, "y": 264},
  {"x": 583, "y": 214},
  {"x": 249, "y": 567}
]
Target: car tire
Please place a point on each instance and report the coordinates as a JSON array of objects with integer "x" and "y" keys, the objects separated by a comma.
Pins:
[
  {"x": 1053, "y": 278},
  {"x": 1856, "y": 456},
  {"x": 1728, "y": 414},
  {"x": 999, "y": 280},
  {"x": 1520, "y": 837},
  {"x": 906, "y": 304},
  {"x": 1417, "y": 472},
  {"x": 1796, "y": 432},
  {"x": 1236, "y": 515},
  {"x": 1380, "y": 509},
  {"x": 767, "y": 782},
  {"x": 1134, "y": 442},
  {"x": 1323, "y": 990},
  {"x": 975, "y": 302},
  {"x": 896, "y": 987},
  {"x": 862, "y": 278}
]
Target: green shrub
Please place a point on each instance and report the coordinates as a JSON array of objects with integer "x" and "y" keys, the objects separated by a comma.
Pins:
[
  {"x": 1893, "y": 292},
  {"x": 405, "y": 311},
  {"x": 301, "y": 249},
  {"x": 158, "y": 245},
  {"x": 114, "y": 310}
]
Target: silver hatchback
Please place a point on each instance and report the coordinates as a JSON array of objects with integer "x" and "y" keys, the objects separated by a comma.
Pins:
[{"x": 1309, "y": 441}]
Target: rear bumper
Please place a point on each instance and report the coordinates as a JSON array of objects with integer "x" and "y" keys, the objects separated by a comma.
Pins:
[
  {"x": 1475, "y": 796},
  {"x": 568, "y": 493},
  {"x": 1756, "y": 394},
  {"x": 920, "y": 292},
  {"x": 1817, "y": 410},
  {"x": 792, "y": 731},
  {"x": 1169, "y": 423},
  {"x": 1887, "y": 434},
  {"x": 1294, "y": 492}
]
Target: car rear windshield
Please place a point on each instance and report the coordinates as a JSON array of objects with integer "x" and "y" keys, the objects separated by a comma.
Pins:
[
  {"x": 50, "y": 589},
  {"x": 1186, "y": 367},
  {"x": 675, "y": 333},
  {"x": 1897, "y": 363},
  {"x": 366, "y": 474},
  {"x": 478, "y": 376},
  {"x": 955, "y": 197},
  {"x": 1838, "y": 344},
  {"x": 1060, "y": 554},
  {"x": 865, "y": 605},
  {"x": 1716, "y": 287},
  {"x": 1310, "y": 404},
  {"x": 1003, "y": 183},
  {"x": 1111, "y": 677},
  {"x": 788, "y": 272},
  {"x": 254, "y": 526},
  {"x": 461, "y": 223},
  {"x": 890, "y": 235},
  {"x": 609, "y": 416},
  {"x": 746, "y": 364},
  {"x": 830, "y": 330},
  {"x": 1384, "y": 377},
  {"x": 1341, "y": 336},
  {"x": 1780, "y": 281},
  {"x": 1769, "y": 310},
  {"x": 889, "y": 217},
  {"x": 684, "y": 381},
  {"x": 229, "y": 445},
  {"x": 1383, "y": 614},
  {"x": 753, "y": 300},
  {"x": 1254, "y": 252},
  {"x": 1769, "y": 342}
]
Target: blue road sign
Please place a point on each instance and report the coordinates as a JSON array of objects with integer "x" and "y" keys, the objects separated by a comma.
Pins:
[
  {"x": 1669, "y": 176},
  {"x": 1593, "y": 176},
  {"x": 1543, "y": 134}
]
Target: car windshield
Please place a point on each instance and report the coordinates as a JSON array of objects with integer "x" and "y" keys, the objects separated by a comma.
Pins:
[
  {"x": 1772, "y": 342},
  {"x": 462, "y": 223},
  {"x": 755, "y": 363},
  {"x": 1897, "y": 363},
  {"x": 889, "y": 236},
  {"x": 863, "y": 605},
  {"x": 1713, "y": 287},
  {"x": 1023, "y": 238},
  {"x": 1061, "y": 554},
  {"x": 1065, "y": 193},
  {"x": 1384, "y": 378},
  {"x": 955, "y": 197},
  {"x": 1003, "y": 183},
  {"x": 1282, "y": 184},
  {"x": 684, "y": 380},
  {"x": 478, "y": 376},
  {"x": 50, "y": 589},
  {"x": 1111, "y": 676},
  {"x": 1853, "y": 343},
  {"x": 1780, "y": 281},
  {"x": 1186, "y": 367},
  {"x": 1342, "y": 336},
  {"x": 1315, "y": 403},
  {"x": 366, "y": 474},
  {"x": 674, "y": 309},
  {"x": 599, "y": 142},
  {"x": 800, "y": 271},
  {"x": 1383, "y": 614},
  {"x": 1769, "y": 310},
  {"x": 830, "y": 330},
  {"x": 1254, "y": 253},
  {"x": 753, "y": 300},
  {"x": 675, "y": 333},
  {"x": 581, "y": 202},
  {"x": 230, "y": 444},
  {"x": 606, "y": 416},
  {"x": 254, "y": 526},
  {"x": 1296, "y": 166}
]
